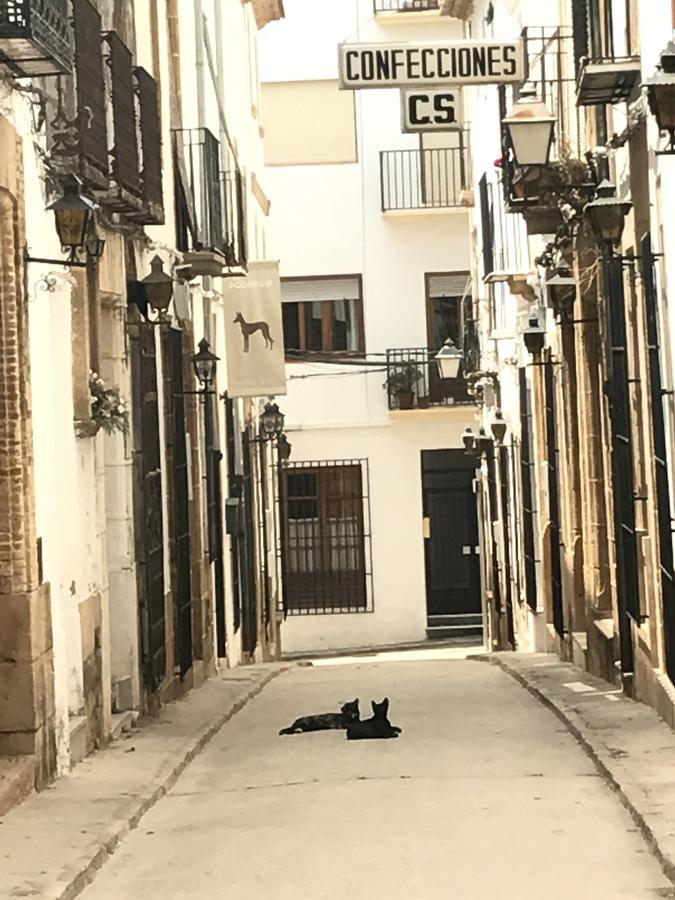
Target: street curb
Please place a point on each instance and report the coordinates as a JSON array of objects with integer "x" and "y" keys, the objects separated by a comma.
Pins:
[
  {"x": 576, "y": 727},
  {"x": 119, "y": 829}
]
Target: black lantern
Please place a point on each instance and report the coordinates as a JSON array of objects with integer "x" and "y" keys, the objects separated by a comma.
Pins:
[
  {"x": 661, "y": 95},
  {"x": 159, "y": 289},
  {"x": 483, "y": 442},
  {"x": 271, "y": 422},
  {"x": 469, "y": 441},
  {"x": 498, "y": 427},
  {"x": 535, "y": 334},
  {"x": 284, "y": 448},
  {"x": 607, "y": 214},
  {"x": 448, "y": 359},
  {"x": 204, "y": 363},
  {"x": 530, "y": 128},
  {"x": 72, "y": 212},
  {"x": 562, "y": 289}
]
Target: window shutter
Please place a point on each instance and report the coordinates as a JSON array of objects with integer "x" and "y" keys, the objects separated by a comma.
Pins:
[
  {"x": 151, "y": 139},
  {"x": 320, "y": 289},
  {"x": 125, "y": 142},
  {"x": 449, "y": 285},
  {"x": 90, "y": 84},
  {"x": 580, "y": 30}
]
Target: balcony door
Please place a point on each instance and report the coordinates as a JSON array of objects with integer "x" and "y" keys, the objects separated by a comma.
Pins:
[{"x": 444, "y": 294}]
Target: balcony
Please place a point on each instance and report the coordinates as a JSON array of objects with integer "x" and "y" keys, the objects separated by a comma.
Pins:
[
  {"x": 505, "y": 248},
  {"x": 413, "y": 382},
  {"x": 35, "y": 37},
  {"x": 607, "y": 80},
  {"x": 403, "y": 6},
  {"x": 422, "y": 179},
  {"x": 210, "y": 203}
]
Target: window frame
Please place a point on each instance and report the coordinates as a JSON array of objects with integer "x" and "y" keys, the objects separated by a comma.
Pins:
[{"x": 326, "y": 322}]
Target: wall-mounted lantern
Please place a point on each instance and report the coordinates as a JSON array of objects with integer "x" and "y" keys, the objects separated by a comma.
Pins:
[
  {"x": 531, "y": 128},
  {"x": 498, "y": 427},
  {"x": 159, "y": 289},
  {"x": 448, "y": 359},
  {"x": 534, "y": 335},
  {"x": 271, "y": 422},
  {"x": 73, "y": 214},
  {"x": 469, "y": 441},
  {"x": 204, "y": 363},
  {"x": 607, "y": 214},
  {"x": 661, "y": 96},
  {"x": 284, "y": 448},
  {"x": 562, "y": 289}
]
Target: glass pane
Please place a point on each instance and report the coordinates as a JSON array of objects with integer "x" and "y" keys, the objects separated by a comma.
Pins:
[
  {"x": 445, "y": 324},
  {"x": 345, "y": 325}
]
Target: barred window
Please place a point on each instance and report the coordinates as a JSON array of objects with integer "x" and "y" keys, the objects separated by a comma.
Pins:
[{"x": 325, "y": 541}]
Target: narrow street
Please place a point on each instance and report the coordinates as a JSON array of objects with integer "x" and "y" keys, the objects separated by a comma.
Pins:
[{"x": 484, "y": 795}]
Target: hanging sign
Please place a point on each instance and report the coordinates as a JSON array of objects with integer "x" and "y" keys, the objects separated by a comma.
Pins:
[
  {"x": 253, "y": 332},
  {"x": 453, "y": 62},
  {"x": 433, "y": 109}
]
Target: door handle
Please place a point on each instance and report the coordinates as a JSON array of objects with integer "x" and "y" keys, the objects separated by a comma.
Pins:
[{"x": 426, "y": 527}]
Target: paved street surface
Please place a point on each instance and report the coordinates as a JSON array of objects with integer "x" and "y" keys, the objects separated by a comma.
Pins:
[{"x": 484, "y": 795}]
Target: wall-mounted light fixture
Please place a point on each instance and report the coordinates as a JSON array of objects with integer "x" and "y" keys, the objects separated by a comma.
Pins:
[
  {"x": 448, "y": 359},
  {"x": 562, "y": 289},
  {"x": 271, "y": 422},
  {"x": 73, "y": 214},
  {"x": 530, "y": 128},
  {"x": 661, "y": 96},
  {"x": 159, "y": 289},
  {"x": 498, "y": 427},
  {"x": 607, "y": 214},
  {"x": 534, "y": 335},
  {"x": 204, "y": 363}
]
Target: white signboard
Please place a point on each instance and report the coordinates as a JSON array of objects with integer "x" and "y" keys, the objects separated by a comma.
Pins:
[
  {"x": 432, "y": 109},
  {"x": 253, "y": 333},
  {"x": 453, "y": 62}
]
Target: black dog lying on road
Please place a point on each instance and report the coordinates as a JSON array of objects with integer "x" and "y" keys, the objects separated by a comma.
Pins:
[
  {"x": 377, "y": 727},
  {"x": 348, "y": 715}
]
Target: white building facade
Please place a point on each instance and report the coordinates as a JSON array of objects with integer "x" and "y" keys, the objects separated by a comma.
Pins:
[{"x": 373, "y": 233}]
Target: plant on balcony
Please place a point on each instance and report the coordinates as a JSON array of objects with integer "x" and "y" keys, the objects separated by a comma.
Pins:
[
  {"x": 401, "y": 381},
  {"x": 568, "y": 181},
  {"x": 108, "y": 410}
]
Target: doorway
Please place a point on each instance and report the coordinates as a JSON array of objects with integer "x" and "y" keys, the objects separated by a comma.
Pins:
[{"x": 451, "y": 548}]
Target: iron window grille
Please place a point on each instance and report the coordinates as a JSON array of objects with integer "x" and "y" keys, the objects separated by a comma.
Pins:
[
  {"x": 661, "y": 462},
  {"x": 422, "y": 179},
  {"x": 325, "y": 539},
  {"x": 503, "y": 234},
  {"x": 405, "y": 5},
  {"x": 527, "y": 492},
  {"x": 149, "y": 139},
  {"x": 554, "y": 532},
  {"x": 416, "y": 368},
  {"x": 125, "y": 170},
  {"x": 78, "y": 131},
  {"x": 35, "y": 37}
]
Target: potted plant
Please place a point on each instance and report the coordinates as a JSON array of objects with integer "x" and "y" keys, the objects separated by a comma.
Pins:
[
  {"x": 108, "y": 410},
  {"x": 401, "y": 381}
]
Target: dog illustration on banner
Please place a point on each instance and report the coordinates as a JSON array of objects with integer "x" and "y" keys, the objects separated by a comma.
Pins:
[{"x": 249, "y": 328}]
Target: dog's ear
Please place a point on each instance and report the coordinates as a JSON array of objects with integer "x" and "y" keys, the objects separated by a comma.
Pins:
[
  {"x": 385, "y": 703},
  {"x": 356, "y": 702},
  {"x": 374, "y": 706}
]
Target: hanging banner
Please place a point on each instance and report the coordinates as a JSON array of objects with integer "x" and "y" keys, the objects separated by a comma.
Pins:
[
  {"x": 453, "y": 62},
  {"x": 435, "y": 109},
  {"x": 253, "y": 333}
]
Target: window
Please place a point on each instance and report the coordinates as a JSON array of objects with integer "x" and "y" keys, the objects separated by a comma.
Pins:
[
  {"x": 325, "y": 540},
  {"x": 445, "y": 293},
  {"x": 322, "y": 315},
  {"x": 308, "y": 123}
]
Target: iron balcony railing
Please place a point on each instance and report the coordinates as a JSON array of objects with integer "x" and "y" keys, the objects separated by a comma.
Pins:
[
  {"x": 422, "y": 179},
  {"x": 413, "y": 381},
  {"x": 404, "y": 5},
  {"x": 211, "y": 196},
  {"x": 36, "y": 37},
  {"x": 503, "y": 234}
]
